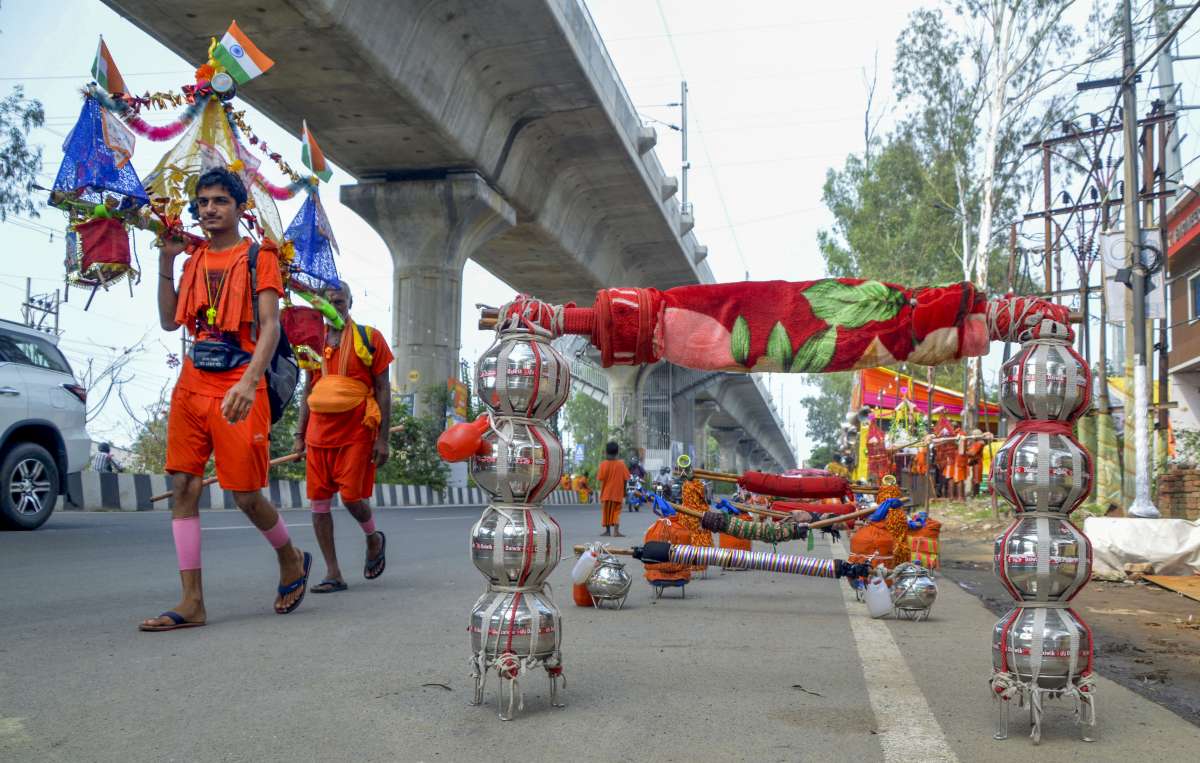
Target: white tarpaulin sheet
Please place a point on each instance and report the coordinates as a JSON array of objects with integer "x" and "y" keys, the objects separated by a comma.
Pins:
[{"x": 1172, "y": 546}]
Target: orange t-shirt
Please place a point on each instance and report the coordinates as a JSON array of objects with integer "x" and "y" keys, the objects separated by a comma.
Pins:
[
  {"x": 613, "y": 474},
  {"x": 211, "y": 383},
  {"x": 331, "y": 430}
]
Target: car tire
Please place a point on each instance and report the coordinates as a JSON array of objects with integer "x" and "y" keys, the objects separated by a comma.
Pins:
[{"x": 28, "y": 487}]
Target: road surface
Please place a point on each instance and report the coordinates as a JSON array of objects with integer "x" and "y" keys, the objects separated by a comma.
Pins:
[{"x": 749, "y": 667}]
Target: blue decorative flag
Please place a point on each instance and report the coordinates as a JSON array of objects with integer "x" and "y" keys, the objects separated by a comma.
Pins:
[
  {"x": 96, "y": 160},
  {"x": 312, "y": 239}
]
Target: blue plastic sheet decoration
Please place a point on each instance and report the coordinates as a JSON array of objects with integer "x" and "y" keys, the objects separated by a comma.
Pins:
[
  {"x": 918, "y": 521},
  {"x": 727, "y": 507},
  {"x": 662, "y": 508},
  {"x": 96, "y": 160},
  {"x": 312, "y": 239},
  {"x": 882, "y": 512}
]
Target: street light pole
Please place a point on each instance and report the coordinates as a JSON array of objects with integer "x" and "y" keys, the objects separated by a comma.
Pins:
[{"x": 1142, "y": 505}]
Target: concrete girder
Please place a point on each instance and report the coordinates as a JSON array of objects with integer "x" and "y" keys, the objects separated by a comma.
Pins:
[{"x": 430, "y": 227}]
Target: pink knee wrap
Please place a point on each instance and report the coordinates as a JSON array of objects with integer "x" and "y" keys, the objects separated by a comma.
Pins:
[
  {"x": 277, "y": 536},
  {"x": 187, "y": 542},
  {"x": 368, "y": 527},
  {"x": 322, "y": 505}
]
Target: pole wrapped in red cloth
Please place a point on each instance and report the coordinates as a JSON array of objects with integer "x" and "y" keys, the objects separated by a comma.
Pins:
[
  {"x": 794, "y": 487},
  {"x": 836, "y": 509}
]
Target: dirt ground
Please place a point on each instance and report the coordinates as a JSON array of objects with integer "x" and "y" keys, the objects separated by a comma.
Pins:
[{"x": 1146, "y": 637}]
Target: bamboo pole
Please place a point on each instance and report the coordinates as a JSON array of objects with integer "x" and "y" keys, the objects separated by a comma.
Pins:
[
  {"x": 814, "y": 526},
  {"x": 274, "y": 462},
  {"x": 704, "y": 474},
  {"x": 783, "y": 514}
]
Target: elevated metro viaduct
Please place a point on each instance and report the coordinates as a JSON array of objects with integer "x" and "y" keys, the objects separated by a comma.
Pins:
[{"x": 498, "y": 131}]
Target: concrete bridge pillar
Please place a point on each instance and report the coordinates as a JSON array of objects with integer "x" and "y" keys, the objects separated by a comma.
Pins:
[
  {"x": 683, "y": 429},
  {"x": 431, "y": 227},
  {"x": 744, "y": 448},
  {"x": 700, "y": 416},
  {"x": 623, "y": 398},
  {"x": 727, "y": 442}
]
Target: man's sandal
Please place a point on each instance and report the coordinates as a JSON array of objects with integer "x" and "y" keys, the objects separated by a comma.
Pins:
[
  {"x": 300, "y": 584},
  {"x": 177, "y": 621}
]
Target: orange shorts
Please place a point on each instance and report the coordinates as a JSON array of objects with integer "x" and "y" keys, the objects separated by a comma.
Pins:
[
  {"x": 196, "y": 430},
  {"x": 348, "y": 470}
]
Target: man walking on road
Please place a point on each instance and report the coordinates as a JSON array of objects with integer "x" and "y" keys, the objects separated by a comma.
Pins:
[
  {"x": 344, "y": 435},
  {"x": 612, "y": 476},
  {"x": 219, "y": 406}
]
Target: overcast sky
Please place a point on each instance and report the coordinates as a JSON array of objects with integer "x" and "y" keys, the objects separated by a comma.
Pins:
[{"x": 776, "y": 98}]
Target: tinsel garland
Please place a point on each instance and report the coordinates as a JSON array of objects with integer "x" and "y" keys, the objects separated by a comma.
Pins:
[
  {"x": 896, "y": 525},
  {"x": 237, "y": 123},
  {"x": 888, "y": 491},
  {"x": 127, "y": 109}
]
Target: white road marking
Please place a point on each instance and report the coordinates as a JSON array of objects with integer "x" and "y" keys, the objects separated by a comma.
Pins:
[
  {"x": 251, "y": 527},
  {"x": 906, "y": 724}
]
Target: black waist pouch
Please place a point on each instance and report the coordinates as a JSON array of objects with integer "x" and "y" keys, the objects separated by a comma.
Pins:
[{"x": 216, "y": 356}]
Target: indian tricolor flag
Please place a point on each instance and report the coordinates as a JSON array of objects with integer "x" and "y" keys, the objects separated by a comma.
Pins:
[
  {"x": 104, "y": 69},
  {"x": 240, "y": 58},
  {"x": 310, "y": 154}
]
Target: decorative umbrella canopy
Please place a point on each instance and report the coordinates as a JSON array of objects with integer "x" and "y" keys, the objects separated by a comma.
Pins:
[
  {"x": 96, "y": 160},
  {"x": 314, "y": 245}
]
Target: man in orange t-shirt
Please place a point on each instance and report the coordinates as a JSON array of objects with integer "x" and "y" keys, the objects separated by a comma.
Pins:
[
  {"x": 613, "y": 474},
  {"x": 219, "y": 406},
  {"x": 344, "y": 434}
]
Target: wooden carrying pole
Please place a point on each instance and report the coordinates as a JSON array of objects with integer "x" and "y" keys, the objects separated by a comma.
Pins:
[
  {"x": 704, "y": 474},
  {"x": 813, "y": 526},
  {"x": 782, "y": 514},
  {"x": 490, "y": 316},
  {"x": 274, "y": 462}
]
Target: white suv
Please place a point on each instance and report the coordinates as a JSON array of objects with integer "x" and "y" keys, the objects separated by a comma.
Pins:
[{"x": 42, "y": 434}]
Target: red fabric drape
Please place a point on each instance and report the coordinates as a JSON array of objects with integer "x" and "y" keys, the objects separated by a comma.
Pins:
[{"x": 794, "y": 487}]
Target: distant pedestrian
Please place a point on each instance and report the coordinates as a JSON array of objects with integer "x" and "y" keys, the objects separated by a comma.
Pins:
[
  {"x": 103, "y": 461},
  {"x": 613, "y": 475}
]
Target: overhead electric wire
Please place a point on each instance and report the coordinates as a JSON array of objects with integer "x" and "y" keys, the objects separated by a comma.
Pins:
[{"x": 737, "y": 244}]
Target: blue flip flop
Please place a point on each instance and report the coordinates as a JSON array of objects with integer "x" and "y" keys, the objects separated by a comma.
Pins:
[
  {"x": 329, "y": 585},
  {"x": 374, "y": 566},
  {"x": 177, "y": 621},
  {"x": 300, "y": 583}
]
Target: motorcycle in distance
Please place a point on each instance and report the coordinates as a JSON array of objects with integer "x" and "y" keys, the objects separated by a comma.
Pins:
[{"x": 635, "y": 494}]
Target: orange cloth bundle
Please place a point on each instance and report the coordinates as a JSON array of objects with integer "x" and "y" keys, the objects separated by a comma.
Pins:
[
  {"x": 666, "y": 531},
  {"x": 334, "y": 393},
  {"x": 872, "y": 539}
]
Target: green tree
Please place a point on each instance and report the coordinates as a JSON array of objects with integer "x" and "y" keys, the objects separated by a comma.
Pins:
[
  {"x": 825, "y": 411},
  {"x": 19, "y": 161},
  {"x": 414, "y": 458},
  {"x": 282, "y": 433},
  {"x": 587, "y": 421}
]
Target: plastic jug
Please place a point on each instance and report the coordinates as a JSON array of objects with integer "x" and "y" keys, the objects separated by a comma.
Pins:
[
  {"x": 583, "y": 568},
  {"x": 878, "y": 598}
]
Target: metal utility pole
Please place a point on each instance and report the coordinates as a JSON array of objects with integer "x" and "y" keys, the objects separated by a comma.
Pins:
[
  {"x": 1169, "y": 92},
  {"x": 683, "y": 129},
  {"x": 1142, "y": 505},
  {"x": 38, "y": 308}
]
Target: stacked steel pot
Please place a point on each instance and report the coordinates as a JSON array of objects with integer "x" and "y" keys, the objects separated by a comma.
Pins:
[
  {"x": 1042, "y": 648},
  {"x": 515, "y": 626}
]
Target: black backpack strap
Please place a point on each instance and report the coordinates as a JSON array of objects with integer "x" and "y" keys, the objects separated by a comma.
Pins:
[{"x": 252, "y": 258}]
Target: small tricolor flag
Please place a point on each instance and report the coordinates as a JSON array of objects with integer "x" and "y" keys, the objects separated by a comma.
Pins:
[
  {"x": 240, "y": 58},
  {"x": 310, "y": 154},
  {"x": 104, "y": 69}
]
